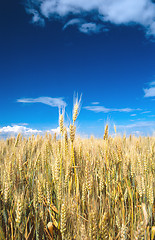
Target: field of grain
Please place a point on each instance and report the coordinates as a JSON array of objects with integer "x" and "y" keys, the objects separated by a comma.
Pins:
[{"x": 74, "y": 188}]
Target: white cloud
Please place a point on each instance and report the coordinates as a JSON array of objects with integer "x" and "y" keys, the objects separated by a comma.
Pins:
[
  {"x": 14, "y": 130},
  {"x": 150, "y": 92},
  {"x": 133, "y": 115},
  {"x": 54, "y": 130},
  {"x": 129, "y": 11},
  {"x": 117, "y": 12},
  {"x": 98, "y": 109},
  {"x": 91, "y": 28},
  {"x": 53, "y": 102}
]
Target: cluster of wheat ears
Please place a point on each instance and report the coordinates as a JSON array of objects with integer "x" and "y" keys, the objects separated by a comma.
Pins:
[{"x": 74, "y": 188}]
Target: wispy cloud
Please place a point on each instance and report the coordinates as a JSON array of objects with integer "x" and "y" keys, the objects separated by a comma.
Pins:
[
  {"x": 103, "y": 109},
  {"x": 20, "y": 124},
  {"x": 152, "y": 83},
  {"x": 138, "y": 128},
  {"x": 99, "y": 11},
  {"x": 36, "y": 19},
  {"x": 150, "y": 92},
  {"x": 145, "y": 112},
  {"x": 95, "y": 103},
  {"x": 75, "y": 21},
  {"x": 85, "y": 27},
  {"x": 53, "y": 102},
  {"x": 139, "y": 124}
]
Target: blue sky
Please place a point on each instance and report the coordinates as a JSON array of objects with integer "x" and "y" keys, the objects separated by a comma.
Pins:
[{"x": 104, "y": 50}]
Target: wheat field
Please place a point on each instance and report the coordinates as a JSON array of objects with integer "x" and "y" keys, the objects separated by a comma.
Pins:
[{"x": 74, "y": 188}]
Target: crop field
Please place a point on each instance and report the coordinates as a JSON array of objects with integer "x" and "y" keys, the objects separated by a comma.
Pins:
[{"x": 74, "y": 188}]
